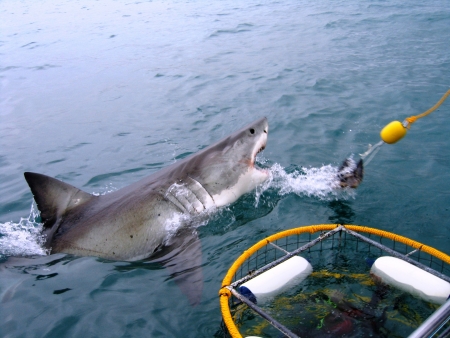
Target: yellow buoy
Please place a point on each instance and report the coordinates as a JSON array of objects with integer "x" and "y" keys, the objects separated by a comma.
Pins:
[{"x": 393, "y": 132}]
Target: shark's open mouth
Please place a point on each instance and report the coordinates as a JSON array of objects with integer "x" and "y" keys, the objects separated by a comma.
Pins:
[
  {"x": 259, "y": 149},
  {"x": 259, "y": 146}
]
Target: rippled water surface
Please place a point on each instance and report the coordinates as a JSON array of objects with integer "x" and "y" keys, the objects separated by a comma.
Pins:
[{"x": 100, "y": 94}]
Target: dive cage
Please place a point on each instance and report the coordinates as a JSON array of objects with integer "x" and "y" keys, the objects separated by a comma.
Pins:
[{"x": 278, "y": 248}]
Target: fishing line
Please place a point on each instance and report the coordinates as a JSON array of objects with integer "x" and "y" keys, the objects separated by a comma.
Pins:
[{"x": 372, "y": 151}]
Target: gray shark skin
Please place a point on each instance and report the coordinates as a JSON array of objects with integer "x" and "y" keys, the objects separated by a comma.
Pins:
[{"x": 137, "y": 221}]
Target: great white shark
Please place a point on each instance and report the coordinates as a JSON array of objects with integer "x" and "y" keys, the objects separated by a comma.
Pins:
[{"x": 135, "y": 222}]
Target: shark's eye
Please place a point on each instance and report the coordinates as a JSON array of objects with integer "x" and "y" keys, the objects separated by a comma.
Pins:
[{"x": 252, "y": 131}]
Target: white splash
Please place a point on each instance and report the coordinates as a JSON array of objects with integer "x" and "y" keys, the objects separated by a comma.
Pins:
[
  {"x": 106, "y": 190},
  {"x": 178, "y": 220},
  {"x": 320, "y": 182},
  {"x": 172, "y": 224},
  {"x": 23, "y": 238}
]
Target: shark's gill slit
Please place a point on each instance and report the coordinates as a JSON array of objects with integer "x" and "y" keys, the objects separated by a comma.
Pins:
[{"x": 202, "y": 194}]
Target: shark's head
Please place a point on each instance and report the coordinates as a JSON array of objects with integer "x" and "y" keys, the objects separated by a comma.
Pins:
[{"x": 227, "y": 168}]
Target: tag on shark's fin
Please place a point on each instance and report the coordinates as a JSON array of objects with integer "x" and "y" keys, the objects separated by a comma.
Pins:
[
  {"x": 54, "y": 197},
  {"x": 182, "y": 256}
]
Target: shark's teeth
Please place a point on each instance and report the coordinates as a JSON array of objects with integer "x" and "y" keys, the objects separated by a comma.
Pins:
[
  {"x": 260, "y": 149},
  {"x": 263, "y": 146}
]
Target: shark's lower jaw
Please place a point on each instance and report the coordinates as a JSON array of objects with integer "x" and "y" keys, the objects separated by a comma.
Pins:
[
  {"x": 262, "y": 172},
  {"x": 245, "y": 184},
  {"x": 261, "y": 145}
]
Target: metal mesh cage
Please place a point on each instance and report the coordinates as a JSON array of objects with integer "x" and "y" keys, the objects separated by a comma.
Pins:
[{"x": 325, "y": 246}]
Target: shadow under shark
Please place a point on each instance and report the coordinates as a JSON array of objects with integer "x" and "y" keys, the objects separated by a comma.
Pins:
[{"x": 152, "y": 218}]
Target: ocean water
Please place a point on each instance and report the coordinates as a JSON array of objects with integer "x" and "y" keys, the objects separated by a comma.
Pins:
[{"x": 100, "y": 94}]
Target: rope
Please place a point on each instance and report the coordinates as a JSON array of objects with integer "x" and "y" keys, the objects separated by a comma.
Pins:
[
  {"x": 225, "y": 293},
  {"x": 413, "y": 119},
  {"x": 416, "y": 245}
]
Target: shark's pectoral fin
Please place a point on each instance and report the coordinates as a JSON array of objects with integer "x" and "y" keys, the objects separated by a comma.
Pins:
[
  {"x": 182, "y": 256},
  {"x": 54, "y": 198}
]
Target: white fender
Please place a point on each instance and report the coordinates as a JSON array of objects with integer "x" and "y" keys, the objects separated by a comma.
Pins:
[
  {"x": 280, "y": 277},
  {"x": 405, "y": 276}
]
